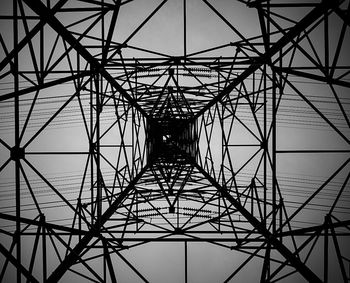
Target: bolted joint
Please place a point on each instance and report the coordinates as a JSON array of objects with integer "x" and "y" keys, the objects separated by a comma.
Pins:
[
  {"x": 17, "y": 153},
  {"x": 92, "y": 147},
  {"x": 177, "y": 60},
  {"x": 99, "y": 109},
  {"x": 171, "y": 209},
  {"x": 96, "y": 232},
  {"x": 252, "y": 183},
  {"x": 178, "y": 231},
  {"x": 263, "y": 144}
]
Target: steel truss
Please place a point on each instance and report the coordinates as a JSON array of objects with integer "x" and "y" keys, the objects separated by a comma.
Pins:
[{"x": 114, "y": 147}]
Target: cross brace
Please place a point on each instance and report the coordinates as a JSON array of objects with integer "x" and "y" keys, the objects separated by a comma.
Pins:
[
  {"x": 39, "y": 8},
  {"x": 265, "y": 58},
  {"x": 74, "y": 255},
  {"x": 260, "y": 227}
]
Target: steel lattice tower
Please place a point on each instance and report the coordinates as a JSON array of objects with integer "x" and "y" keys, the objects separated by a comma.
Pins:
[{"x": 174, "y": 141}]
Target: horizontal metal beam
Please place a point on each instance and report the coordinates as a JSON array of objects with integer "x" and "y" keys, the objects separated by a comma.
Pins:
[
  {"x": 325, "y": 79},
  {"x": 42, "y": 224},
  {"x": 241, "y": 241},
  {"x": 45, "y": 13},
  {"x": 44, "y": 85},
  {"x": 312, "y": 229}
]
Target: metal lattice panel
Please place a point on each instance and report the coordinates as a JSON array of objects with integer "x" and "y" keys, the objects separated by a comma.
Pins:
[{"x": 174, "y": 141}]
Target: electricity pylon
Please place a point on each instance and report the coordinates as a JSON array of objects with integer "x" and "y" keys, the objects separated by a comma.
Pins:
[{"x": 172, "y": 124}]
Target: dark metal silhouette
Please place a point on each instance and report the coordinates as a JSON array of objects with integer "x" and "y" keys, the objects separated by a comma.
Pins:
[{"x": 164, "y": 141}]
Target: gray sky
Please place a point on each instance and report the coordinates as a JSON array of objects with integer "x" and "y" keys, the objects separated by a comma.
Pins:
[{"x": 299, "y": 127}]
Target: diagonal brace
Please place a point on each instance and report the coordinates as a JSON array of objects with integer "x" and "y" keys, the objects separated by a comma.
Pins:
[
  {"x": 45, "y": 13},
  {"x": 260, "y": 227},
  {"x": 14, "y": 261},
  {"x": 74, "y": 255},
  {"x": 265, "y": 58}
]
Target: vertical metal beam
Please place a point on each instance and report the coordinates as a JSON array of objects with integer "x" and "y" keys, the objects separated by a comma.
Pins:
[
  {"x": 110, "y": 31},
  {"x": 44, "y": 252},
  {"x": 17, "y": 145},
  {"x": 133, "y": 130},
  {"x": 326, "y": 44},
  {"x": 266, "y": 265},
  {"x": 337, "y": 251},
  {"x": 34, "y": 252},
  {"x": 273, "y": 149},
  {"x": 280, "y": 210},
  {"x": 98, "y": 106},
  {"x": 92, "y": 150},
  {"x": 185, "y": 29},
  {"x": 109, "y": 262},
  {"x": 325, "y": 251},
  {"x": 265, "y": 141},
  {"x": 264, "y": 145},
  {"x": 186, "y": 263}
]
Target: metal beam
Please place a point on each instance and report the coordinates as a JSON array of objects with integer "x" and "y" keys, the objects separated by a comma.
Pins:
[
  {"x": 29, "y": 36},
  {"x": 74, "y": 255},
  {"x": 260, "y": 227},
  {"x": 265, "y": 58},
  {"x": 40, "y": 9},
  {"x": 43, "y": 224},
  {"x": 44, "y": 85},
  {"x": 19, "y": 266},
  {"x": 312, "y": 229},
  {"x": 311, "y": 76}
]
